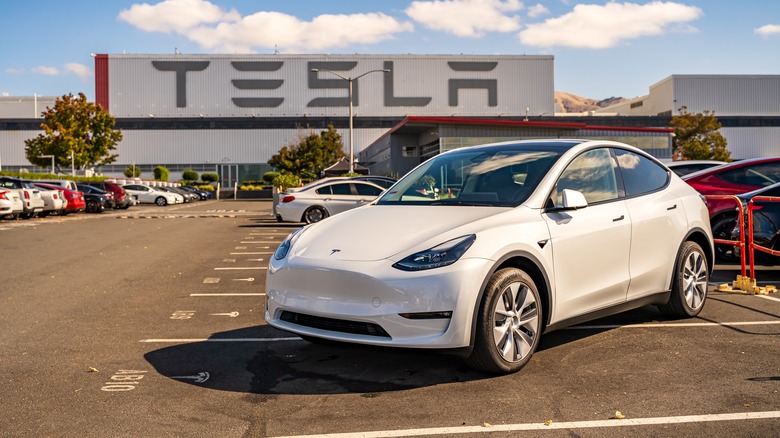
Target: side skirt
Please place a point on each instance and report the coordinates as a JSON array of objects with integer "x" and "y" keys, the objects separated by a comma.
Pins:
[{"x": 659, "y": 298}]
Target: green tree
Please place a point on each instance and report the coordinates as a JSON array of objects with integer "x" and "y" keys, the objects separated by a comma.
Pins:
[
  {"x": 132, "y": 171},
  {"x": 161, "y": 173},
  {"x": 78, "y": 127},
  {"x": 311, "y": 155},
  {"x": 697, "y": 137}
]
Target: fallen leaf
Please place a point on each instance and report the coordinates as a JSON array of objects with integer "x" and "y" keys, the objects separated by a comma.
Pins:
[
  {"x": 548, "y": 422},
  {"x": 93, "y": 370},
  {"x": 619, "y": 415},
  {"x": 486, "y": 425},
  {"x": 747, "y": 405}
]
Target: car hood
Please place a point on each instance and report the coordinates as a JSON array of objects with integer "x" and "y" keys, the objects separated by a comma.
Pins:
[{"x": 378, "y": 232}]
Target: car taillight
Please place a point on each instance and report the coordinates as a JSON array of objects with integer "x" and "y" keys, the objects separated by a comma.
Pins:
[
  {"x": 288, "y": 199},
  {"x": 54, "y": 196},
  {"x": 2, "y": 195},
  {"x": 26, "y": 194}
]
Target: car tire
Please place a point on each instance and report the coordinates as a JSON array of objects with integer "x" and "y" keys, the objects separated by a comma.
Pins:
[
  {"x": 314, "y": 214},
  {"x": 690, "y": 282},
  {"x": 161, "y": 201},
  {"x": 509, "y": 323},
  {"x": 721, "y": 229}
]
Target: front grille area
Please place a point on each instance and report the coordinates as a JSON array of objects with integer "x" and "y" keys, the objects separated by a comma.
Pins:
[{"x": 334, "y": 325}]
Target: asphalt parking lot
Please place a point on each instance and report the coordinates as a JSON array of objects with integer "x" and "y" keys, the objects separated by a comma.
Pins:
[{"x": 149, "y": 322}]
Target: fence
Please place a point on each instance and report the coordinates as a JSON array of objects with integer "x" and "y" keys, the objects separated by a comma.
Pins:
[{"x": 744, "y": 283}]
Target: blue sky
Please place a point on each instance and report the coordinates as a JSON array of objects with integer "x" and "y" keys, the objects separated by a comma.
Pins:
[{"x": 601, "y": 48}]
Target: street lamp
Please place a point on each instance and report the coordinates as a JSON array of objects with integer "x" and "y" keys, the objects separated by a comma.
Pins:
[
  {"x": 350, "y": 80},
  {"x": 52, "y": 161}
]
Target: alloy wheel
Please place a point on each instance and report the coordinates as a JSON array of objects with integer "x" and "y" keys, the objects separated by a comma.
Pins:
[
  {"x": 695, "y": 279},
  {"x": 516, "y": 322}
]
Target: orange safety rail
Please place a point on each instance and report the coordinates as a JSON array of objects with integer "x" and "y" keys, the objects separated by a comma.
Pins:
[
  {"x": 751, "y": 245},
  {"x": 741, "y": 242}
]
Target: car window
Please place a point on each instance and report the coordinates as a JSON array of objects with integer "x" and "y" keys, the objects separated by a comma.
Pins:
[
  {"x": 764, "y": 174},
  {"x": 593, "y": 174},
  {"x": 341, "y": 189},
  {"x": 367, "y": 190},
  {"x": 640, "y": 174},
  {"x": 324, "y": 190}
]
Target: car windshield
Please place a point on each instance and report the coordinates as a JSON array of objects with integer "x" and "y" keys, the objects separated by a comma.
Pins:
[{"x": 499, "y": 176}]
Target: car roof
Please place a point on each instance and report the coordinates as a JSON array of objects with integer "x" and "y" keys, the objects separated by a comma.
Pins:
[{"x": 732, "y": 165}]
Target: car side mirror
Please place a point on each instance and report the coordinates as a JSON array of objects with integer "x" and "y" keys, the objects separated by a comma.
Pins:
[{"x": 573, "y": 200}]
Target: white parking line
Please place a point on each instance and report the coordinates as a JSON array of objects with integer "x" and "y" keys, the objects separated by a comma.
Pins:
[
  {"x": 241, "y": 268},
  {"x": 767, "y": 297},
  {"x": 681, "y": 324},
  {"x": 188, "y": 341},
  {"x": 229, "y": 295},
  {"x": 542, "y": 426}
]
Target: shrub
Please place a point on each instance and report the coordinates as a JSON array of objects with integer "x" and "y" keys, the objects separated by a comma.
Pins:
[
  {"x": 286, "y": 181},
  {"x": 209, "y": 177},
  {"x": 189, "y": 175},
  {"x": 161, "y": 173},
  {"x": 206, "y": 187},
  {"x": 268, "y": 177},
  {"x": 132, "y": 171}
]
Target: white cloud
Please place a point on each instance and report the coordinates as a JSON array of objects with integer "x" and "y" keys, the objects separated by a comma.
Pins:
[
  {"x": 467, "y": 18},
  {"x": 768, "y": 30},
  {"x": 537, "y": 10},
  {"x": 216, "y": 30},
  {"x": 44, "y": 70},
  {"x": 290, "y": 34},
  {"x": 82, "y": 71},
  {"x": 175, "y": 15},
  {"x": 604, "y": 26}
]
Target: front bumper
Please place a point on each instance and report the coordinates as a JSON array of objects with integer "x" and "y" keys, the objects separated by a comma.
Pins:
[{"x": 362, "y": 302}]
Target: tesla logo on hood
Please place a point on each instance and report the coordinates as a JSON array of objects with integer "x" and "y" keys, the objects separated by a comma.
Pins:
[{"x": 334, "y": 251}]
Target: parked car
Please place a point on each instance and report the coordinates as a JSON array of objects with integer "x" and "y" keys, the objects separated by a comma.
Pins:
[
  {"x": 75, "y": 202},
  {"x": 182, "y": 198},
  {"x": 520, "y": 238},
  {"x": 121, "y": 199},
  {"x": 204, "y": 195},
  {"x": 97, "y": 200},
  {"x": 766, "y": 226},
  {"x": 317, "y": 202},
  {"x": 732, "y": 179},
  {"x": 150, "y": 195},
  {"x": 684, "y": 167},
  {"x": 381, "y": 181},
  {"x": 53, "y": 201},
  {"x": 28, "y": 193},
  {"x": 11, "y": 205},
  {"x": 65, "y": 183}
]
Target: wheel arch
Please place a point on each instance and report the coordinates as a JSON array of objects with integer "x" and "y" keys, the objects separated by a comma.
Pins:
[
  {"x": 303, "y": 215},
  {"x": 530, "y": 264},
  {"x": 700, "y": 237}
]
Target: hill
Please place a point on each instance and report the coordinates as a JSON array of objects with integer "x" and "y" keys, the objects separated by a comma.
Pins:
[{"x": 571, "y": 103}]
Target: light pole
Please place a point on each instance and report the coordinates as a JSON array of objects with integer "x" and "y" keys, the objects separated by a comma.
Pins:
[
  {"x": 52, "y": 161},
  {"x": 350, "y": 79}
]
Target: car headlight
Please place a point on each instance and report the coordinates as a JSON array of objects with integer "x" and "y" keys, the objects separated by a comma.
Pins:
[
  {"x": 284, "y": 247},
  {"x": 441, "y": 255}
]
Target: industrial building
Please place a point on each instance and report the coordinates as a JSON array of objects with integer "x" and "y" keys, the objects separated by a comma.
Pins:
[
  {"x": 230, "y": 113},
  {"x": 747, "y": 106}
]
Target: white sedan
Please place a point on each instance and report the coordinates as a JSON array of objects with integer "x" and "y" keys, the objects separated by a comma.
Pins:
[
  {"x": 150, "y": 195},
  {"x": 481, "y": 250},
  {"x": 316, "y": 202}
]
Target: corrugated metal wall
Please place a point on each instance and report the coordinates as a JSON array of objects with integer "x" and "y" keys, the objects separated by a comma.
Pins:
[
  {"x": 729, "y": 95},
  {"x": 752, "y": 142},
  {"x": 219, "y": 146},
  {"x": 139, "y": 89}
]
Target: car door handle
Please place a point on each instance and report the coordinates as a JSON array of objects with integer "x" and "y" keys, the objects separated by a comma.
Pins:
[
  {"x": 672, "y": 207},
  {"x": 618, "y": 219}
]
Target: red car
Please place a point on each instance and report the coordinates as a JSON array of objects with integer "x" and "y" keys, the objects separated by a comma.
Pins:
[
  {"x": 75, "y": 199},
  {"x": 732, "y": 179}
]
